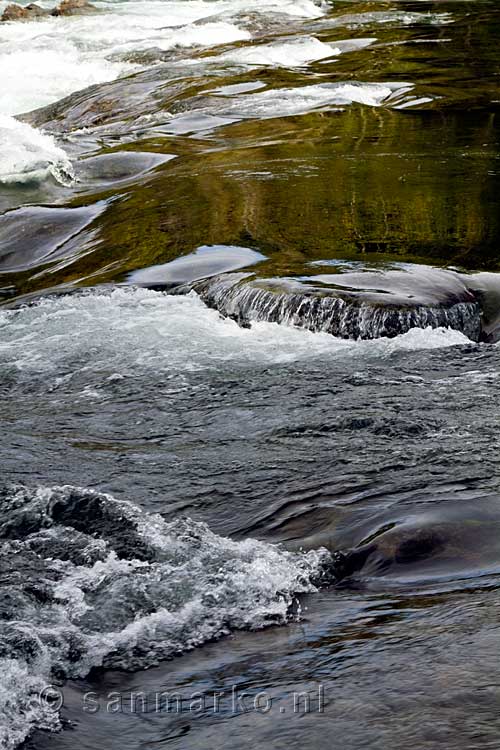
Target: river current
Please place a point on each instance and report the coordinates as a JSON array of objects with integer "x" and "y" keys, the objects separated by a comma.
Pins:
[{"x": 249, "y": 376}]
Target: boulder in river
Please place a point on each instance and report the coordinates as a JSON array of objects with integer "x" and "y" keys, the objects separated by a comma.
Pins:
[
  {"x": 36, "y": 11},
  {"x": 14, "y": 12},
  {"x": 73, "y": 8},
  {"x": 351, "y": 305}
]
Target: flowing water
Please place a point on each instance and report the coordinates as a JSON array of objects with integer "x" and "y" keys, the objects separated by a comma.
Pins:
[{"x": 249, "y": 378}]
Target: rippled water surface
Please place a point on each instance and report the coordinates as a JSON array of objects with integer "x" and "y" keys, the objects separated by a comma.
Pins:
[{"x": 206, "y": 493}]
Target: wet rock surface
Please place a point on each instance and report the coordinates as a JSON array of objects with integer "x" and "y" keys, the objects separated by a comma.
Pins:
[
  {"x": 351, "y": 306},
  {"x": 15, "y": 12},
  {"x": 32, "y": 11},
  {"x": 73, "y": 8},
  {"x": 194, "y": 197}
]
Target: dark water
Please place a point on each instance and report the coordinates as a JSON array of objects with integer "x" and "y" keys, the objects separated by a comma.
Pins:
[
  {"x": 376, "y": 447},
  {"x": 307, "y": 527}
]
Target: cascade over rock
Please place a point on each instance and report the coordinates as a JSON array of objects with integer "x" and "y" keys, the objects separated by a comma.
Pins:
[{"x": 363, "y": 305}]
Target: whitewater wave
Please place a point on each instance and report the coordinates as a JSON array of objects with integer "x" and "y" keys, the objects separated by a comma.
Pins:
[
  {"x": 48, "y": 59},
  {"x": 64, "y": 55},
  {"x": 392, "y": 18},
  {"x": 289, "y": 53},
  {"x": 303, "y": 99},
  {"x": 131, "y": 332},
  {"x": 89, "y": 580},
  {"x": 283, "y": 102},
  {"x": 27, "y": 155}
]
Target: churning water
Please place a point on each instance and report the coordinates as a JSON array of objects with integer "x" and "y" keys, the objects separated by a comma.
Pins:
[{"x": 249, "y": 375}]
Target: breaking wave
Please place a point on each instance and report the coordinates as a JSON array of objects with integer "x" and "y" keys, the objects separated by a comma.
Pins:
[
  {"x": 27, "y": 155},
  {"x": 291, "y": 53},
  {"x": 91, "y": 581},
  {"x": 302, "y": 99},
  {"x": 128, "y": 332}
]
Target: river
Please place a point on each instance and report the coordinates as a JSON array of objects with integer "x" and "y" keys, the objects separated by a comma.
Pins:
[{"x": 249, "y": 376}]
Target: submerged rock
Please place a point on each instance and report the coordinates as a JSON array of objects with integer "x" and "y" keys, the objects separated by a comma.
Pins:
[
  {"x": 350, "y": 306},
  {"x": 486, "y": 288},
  {"x": 432, "y": 536},
  {"x": 444, "y": 542}
]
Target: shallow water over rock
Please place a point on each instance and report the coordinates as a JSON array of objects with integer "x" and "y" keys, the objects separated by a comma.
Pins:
[{"x": 249, "y": 385}]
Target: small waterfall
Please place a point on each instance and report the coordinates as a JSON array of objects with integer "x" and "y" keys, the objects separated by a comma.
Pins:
[{"x": 236, "y": 297}]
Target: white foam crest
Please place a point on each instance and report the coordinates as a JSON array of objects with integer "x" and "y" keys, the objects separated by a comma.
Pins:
[
  {"x": 55, "y": 58},
  {"x": 37, "y": 75},
  {"x": 27, "y": 155},
  {"x": 20, "y": 709},
  {"x": 293, "y": 8},
  {"x": 302, "y": 99},
  {"x": 289, "y": 54},
  {"x": 132, "y": 331},
  {"x": 388, "y": 17},
  {"x": 45, "y": 60},
  {"x": 124, "y": 612},
  {"x": 206, "y": 587},
  {"x": 287, "y": 102},
  {"x": 422, "y": 338}
]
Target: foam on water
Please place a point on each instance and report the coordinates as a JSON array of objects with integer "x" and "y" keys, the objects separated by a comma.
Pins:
[
  {"x": 94, "y": 581},
  {"x": 133, "y": 331},
  {"x": 296, "y": 101},
  {"x": 289, "y": 54},
  {"x": 48, "y": 74},
  {"x": 45, "y": 60},
  {"x": 391, "y": 17},
  {"x": 42, "y": 61},
  {"x": 54, "y": 58},
  {"x": 284, "y": 102},
  {"x": 27, "y": 155},
  {"x": 20, "y": 712}
]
